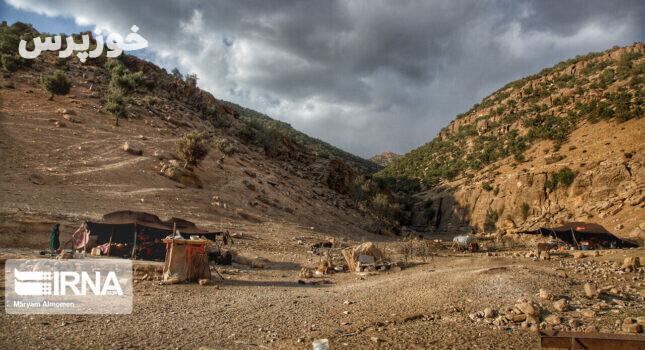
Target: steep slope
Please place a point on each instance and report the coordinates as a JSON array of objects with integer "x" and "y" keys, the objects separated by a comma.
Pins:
[
  {"x": 314, "y": 145},
  {"x": 564, "y": 144},
  {"x": 386, "y": 158},
  {"x": 63, "y": 160}
]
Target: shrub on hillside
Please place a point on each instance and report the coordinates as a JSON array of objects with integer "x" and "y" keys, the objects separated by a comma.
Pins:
[
  {"x": 225, "y": 146},
  {"x": 10, "y": 63},
  {"x": 487, "y": 187},
  {"x": 192, "y": 148},
  {"x": 56, "y": 84}
]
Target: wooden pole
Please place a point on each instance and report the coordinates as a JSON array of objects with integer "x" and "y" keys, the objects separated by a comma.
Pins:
[
  {"x": 574, "y": 239},
  {"x": 134, "y": 247},
  {"x": 110, "y": 243}
]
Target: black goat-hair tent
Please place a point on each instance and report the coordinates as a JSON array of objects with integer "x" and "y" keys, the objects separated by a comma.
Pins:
[
  {"x": 121, "y": 226},
  {"x": 575, "y": 232}
]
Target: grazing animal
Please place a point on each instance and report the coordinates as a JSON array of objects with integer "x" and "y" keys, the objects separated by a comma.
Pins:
[{"x": 545, "y": 247}]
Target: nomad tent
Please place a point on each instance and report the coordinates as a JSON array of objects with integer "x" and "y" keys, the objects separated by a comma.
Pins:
[
  {"x": 579, "y": 233},
  {"x": 126, "y": 233}
]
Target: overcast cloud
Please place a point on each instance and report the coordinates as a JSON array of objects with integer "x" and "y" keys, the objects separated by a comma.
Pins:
[{"x": 366, "y": 76}]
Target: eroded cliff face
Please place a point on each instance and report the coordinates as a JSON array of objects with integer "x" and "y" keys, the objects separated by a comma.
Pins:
[{"x": 607, "y": 161}]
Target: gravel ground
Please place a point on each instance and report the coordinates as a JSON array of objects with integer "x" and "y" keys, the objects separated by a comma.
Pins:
[{"x": 423, "y": 306}]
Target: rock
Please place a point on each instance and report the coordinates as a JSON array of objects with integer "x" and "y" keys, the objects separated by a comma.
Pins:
[
  {"x": 131, "y": 149},
  {"x": 65, "y": 111},
  {"x": 632, "y": 328},
  {"x": 590, "y": 290},
  {"x": 204, "y": 282},
  {"x": 375, "y": 339},
  {"x": 562, "y": 274},
  {"x": 591, "y": 329},
  {"x": 640, "y": 320},
  {"x": 578, "y": 255},
  {"x": 630, "y": 264},
  {"x": 619, "y": 227},
  {"x": 561, "y": 305},
  {"x": 629, "y": 320},
  {"x": 586, "y": 313},
  {"x": 36, "y": 179},
  {"x": 553, "y": 320},
  {"x": 527, "y": 309},
  {"x": 489, "y": 313},
  {"x": 71, "y": 118},
  {"x": 519, "y": 318},
  {"x": 175, "y": 172},
  {"x": 59, "y": 124},
  {"x": 545, "y": 255},
  {"x": 545, "y": 295}
]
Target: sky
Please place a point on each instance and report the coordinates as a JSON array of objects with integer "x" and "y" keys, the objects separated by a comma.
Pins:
[{"x": 367, "y": 76}]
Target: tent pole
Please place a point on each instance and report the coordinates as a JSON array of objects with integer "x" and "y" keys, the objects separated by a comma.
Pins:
[
  {"x": 134, "y": 247},
  {"x": 574, "y": 239},
  {"x": 110, "y": 243}
]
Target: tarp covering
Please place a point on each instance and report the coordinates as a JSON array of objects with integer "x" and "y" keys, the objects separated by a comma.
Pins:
[
  {"x": 119, "y": 228},
  {"x": 186, "y": 260},
  {"x": 576, "y": 232}
]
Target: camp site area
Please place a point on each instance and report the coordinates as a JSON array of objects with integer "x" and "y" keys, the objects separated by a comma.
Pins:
[{"x": 286, "y": 289}]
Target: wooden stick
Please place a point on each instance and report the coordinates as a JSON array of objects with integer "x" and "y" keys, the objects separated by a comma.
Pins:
[
  {"x": 110, "y": 243},
  {"x": 135, "y": 241}
]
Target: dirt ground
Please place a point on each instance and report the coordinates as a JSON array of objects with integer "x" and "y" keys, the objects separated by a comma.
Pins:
[{"x": 426, "y": 305}]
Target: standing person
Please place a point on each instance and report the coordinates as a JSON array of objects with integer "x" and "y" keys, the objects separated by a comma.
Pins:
[{"x": 54, "y": 242}]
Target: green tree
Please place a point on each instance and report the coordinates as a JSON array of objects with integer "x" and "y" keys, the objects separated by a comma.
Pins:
[{"x": 56, "y": 84}]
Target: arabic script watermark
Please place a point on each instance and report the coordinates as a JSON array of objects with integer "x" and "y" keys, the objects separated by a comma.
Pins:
[
  {"x": 76, "y": 286},
  {"x": 114, "y": 42}
]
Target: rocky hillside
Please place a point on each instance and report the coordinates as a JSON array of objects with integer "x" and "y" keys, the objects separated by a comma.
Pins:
[
  {"x": 386, "y": 158},
  {"x": 78, "y": 140},
  {"x": 564, "y": 144},
  {"x": 320, "y": 148}
]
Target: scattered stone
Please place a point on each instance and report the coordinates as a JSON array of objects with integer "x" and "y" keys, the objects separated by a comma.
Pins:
[
  {"x": 489, "y": 313},
  {"x": 553, "y": 320},
  {"x": 562, "y": 274},
  {"x": 59, "y": 124},
  {"x": 592, "y": 329},
  {"x": 590, "y": 290},
  {"x": 204, "y": 282},
  {"x": 375, "y": 339},
  {"x": 131, "y": 149},
  {"x": 561, "y": 305},
  {"x": 527, "y": 309},
  {"x": 71, "y": 118},
  {"x": 574, "y": 323},
  {"x": 65, "y": 111},
  {"x": 630, "y": 264},
  {"x": 632, "y": 328},
  {"x": 546, "y": 295},
  {"x": 36, "y": 179},
  {"x": 578, "y": 255},
  {"x": 588, "y": 313}
]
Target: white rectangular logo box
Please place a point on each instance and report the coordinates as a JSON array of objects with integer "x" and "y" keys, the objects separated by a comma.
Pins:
[{"x": 74, "y": 286}]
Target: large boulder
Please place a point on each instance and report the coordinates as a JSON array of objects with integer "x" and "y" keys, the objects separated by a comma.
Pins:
[{"x": 176, "y": 172}]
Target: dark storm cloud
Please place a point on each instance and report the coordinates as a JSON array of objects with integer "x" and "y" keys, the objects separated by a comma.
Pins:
[{"x": 367, "y": 76}]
